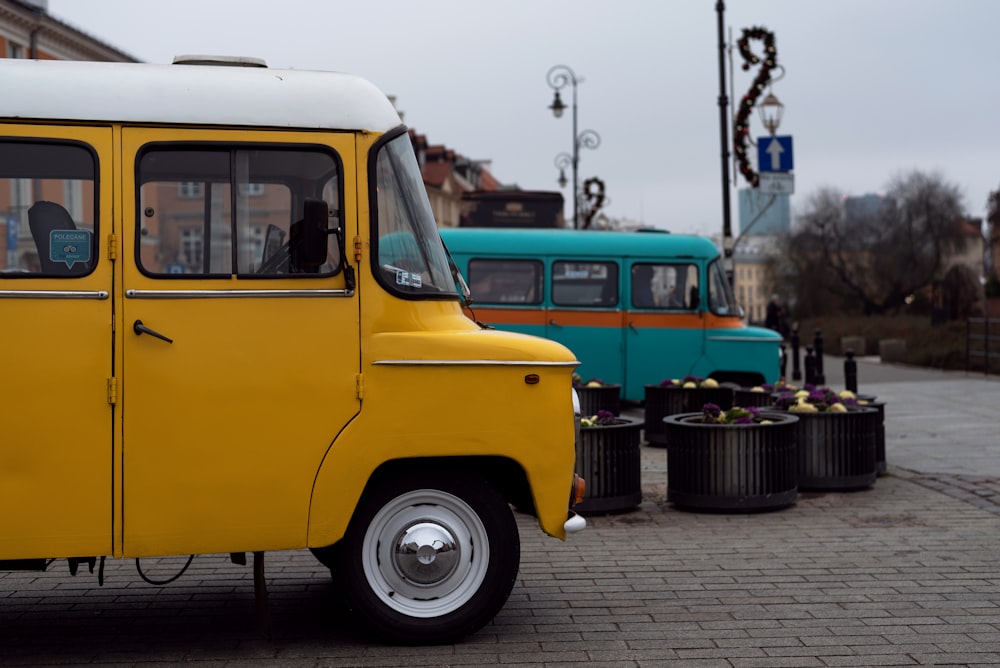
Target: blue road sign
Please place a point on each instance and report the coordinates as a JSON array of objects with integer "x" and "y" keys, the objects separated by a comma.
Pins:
[{"x": 774, "y": 154}]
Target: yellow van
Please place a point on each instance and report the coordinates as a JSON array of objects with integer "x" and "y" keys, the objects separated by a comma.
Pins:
[{"x": 230, "y": 326}]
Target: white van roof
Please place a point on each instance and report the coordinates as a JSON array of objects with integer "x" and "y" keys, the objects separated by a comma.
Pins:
[{"x": 192, "y": 94}]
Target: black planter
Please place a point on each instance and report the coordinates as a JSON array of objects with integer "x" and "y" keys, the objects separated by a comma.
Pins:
[
  {"x": 605, "y": 397},
  {"x": 745, "y": 397},
  {"x": 734, "y": 467},
  {"x": 871, "y": 402},
  {"x": 664, "y": 400},
  {"x": 608, "y": 458},
  {"x": 837, "y": 450}
]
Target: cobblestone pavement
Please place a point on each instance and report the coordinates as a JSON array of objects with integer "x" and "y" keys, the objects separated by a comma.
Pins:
[{"x": 904, "y": 573}]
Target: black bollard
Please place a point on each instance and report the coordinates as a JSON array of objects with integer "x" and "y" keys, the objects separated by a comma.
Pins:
[
  {"x": 810, "y": 366},
  {"x": 851, "y": 372},
  {"x": 796, "y": 373},
  {"x": 784, "y": 361},
  {"x": 819, "y": 378}
]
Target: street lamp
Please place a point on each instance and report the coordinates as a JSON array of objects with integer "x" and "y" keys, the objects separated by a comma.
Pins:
[
  {"x": 559, "y": 77},
  {"x": 563, "y": 160},
  {"x": 771, "y": 111}
]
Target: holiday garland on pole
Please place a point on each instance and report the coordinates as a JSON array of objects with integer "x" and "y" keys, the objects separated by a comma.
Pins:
[
  {"x": 593, "y": 192},
  {"x": 741, "y": 129}
]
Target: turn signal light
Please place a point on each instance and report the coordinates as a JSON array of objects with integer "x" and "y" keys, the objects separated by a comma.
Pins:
[{"x": 579, "y": 490}]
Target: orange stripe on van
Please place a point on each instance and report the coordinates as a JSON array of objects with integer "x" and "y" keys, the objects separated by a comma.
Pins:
[
  {"x": 502, "y": 316},
  {"x": 567, "y": 318}
]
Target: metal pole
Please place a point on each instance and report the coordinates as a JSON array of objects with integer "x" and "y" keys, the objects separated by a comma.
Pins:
[
  {"x": 727, "y": 233},
  {"x": 576, "y": 161}
]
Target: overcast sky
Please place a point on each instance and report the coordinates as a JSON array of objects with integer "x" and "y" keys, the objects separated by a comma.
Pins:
[{"x": 872, "y": 88}]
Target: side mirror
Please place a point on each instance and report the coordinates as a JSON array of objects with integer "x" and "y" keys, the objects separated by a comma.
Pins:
[{"x": 308, "y": 238}]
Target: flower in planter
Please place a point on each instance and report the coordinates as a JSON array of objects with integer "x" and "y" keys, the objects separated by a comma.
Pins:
[
  {"x": 811, "y": 400},
  {"x": 601, "y": 419},
  {"x": 591, "y": 382},
  {"x": 691, "y": 382},
  {"x": 713, "y": 414}
]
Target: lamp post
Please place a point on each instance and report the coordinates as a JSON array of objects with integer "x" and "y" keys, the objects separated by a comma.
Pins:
[
  {"x": 562, "y": 161},
  {"x": 559, "y": 77}
]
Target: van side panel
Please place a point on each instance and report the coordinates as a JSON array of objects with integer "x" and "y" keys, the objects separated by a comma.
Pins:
[{"x": 417, "y": 406}]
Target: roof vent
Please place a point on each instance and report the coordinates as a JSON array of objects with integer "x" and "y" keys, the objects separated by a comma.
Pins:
[{"x": 230, "y": 61}]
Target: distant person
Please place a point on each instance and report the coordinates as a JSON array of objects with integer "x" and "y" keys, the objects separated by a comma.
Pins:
[{"x": 775, "y": 318}]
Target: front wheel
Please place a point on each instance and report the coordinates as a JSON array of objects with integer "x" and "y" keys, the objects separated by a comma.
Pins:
[{"x": 430, "y": 558}]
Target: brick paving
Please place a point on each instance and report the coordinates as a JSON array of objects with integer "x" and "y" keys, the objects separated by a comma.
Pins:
[{"x": 905, "y": 573}]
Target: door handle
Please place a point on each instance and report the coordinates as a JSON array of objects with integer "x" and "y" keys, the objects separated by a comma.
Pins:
[{"x": 141, "y": 329}]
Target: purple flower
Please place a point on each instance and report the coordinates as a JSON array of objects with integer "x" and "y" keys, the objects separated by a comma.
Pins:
[
  {"x": 785, "y": 401},
  {"x": 605, "y": 417},
  {"x": 711, "y": 411},
  {"x": 743, "y": 420}
]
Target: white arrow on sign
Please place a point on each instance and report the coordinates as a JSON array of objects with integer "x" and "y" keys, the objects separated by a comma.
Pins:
[{"x": 774, "y": 150}]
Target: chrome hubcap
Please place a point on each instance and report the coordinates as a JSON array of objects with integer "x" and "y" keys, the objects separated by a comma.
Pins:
[{"x": 426, "y": 553}]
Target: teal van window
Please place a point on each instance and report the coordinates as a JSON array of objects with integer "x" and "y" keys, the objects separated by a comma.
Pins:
[
  {"x": 505, "y": 281},
  {"x": 665, "y": 286},
  {"x": 584, "y": 283}
]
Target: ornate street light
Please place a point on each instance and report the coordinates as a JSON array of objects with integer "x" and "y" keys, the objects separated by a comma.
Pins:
[
  {"x": 771, "y": 111},
  {"x": 563, "y": 160},
  {"x": 559, "y": 77}
]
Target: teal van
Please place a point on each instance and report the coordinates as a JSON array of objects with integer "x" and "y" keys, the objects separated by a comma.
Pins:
[{"x": 635, "y": 307}]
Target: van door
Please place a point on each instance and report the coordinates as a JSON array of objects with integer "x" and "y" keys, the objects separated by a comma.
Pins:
[
  {"x": 665, "y": 326},
  {"x": 240, "y": 352},
  {"x": 56, "y": 342}
]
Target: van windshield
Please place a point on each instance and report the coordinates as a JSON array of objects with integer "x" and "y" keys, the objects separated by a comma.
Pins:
[
  {"x": 410, "y": 259},
  {"x": 720, "y": 295}
]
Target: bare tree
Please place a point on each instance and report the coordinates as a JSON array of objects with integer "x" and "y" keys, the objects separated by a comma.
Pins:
[{"x": 871, "y": 258}]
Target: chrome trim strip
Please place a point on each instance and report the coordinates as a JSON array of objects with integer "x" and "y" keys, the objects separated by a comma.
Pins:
[
  {"x": 474, "y": 363},
  {"x": 53, "y": 294},
  {"x": 749, "y": 339},
  {"x": 216, "y": 294}
]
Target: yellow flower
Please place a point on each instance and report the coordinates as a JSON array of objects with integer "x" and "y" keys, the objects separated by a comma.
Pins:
[
  {"x": 801, "y": 394},
  {"x": 758, "y": 388},
  {"x": 710, "y": 383},
  {"x": 837, "y": 408},
  {"x": 689, "y": 385},
  {"x": 803, "y": 407},
  {"x": 846, "y": 394}
]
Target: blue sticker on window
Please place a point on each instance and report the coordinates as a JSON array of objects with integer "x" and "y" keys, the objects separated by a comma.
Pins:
[{"x": 69, "y": 246}]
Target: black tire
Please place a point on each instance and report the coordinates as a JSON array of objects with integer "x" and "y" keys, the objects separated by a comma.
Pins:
[{"x": 422, "y": 594}]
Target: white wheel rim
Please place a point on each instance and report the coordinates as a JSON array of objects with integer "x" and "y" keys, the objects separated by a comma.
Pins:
[{"x": 425, "y": 553}]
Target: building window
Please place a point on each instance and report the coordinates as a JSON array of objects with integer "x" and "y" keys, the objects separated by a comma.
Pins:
[{"x": 189, "y": 190}]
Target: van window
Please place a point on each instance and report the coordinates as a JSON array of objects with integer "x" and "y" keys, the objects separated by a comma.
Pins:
[
  {"x": 409, "y": 252},
  {"x": 665, "y": 286},
  {"x": 720, "y": 295},
  {"x": 584, "y": 283},
  {"x": 49, "y": 190},
  {"x": 505, "y": 281},
  {"x": 219, "y": 211}
]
